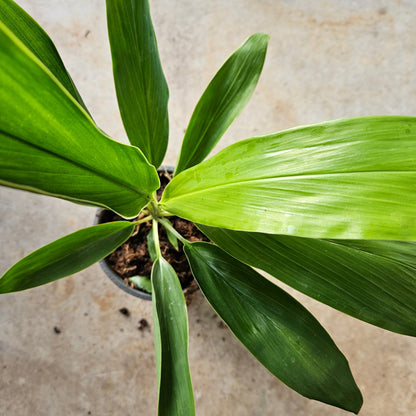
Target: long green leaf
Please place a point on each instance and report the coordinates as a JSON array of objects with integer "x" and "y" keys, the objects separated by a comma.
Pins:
[
  {"x": 350, "y": 178},
  {"x": 223, "y": 100},
  {"x": 274, "y": 327},
  {"x": 66, "y": 256},
  {"x": 49, "y": 145},
  {"x": 374, "y": 281},
  {"x": 38, "y": 42},
  {"x": 171, "y": 342},
  {"x": 141, "y": 87}
]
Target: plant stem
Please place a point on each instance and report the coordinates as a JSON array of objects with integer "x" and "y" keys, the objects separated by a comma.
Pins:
[
  {"x": 170, "y": 227},
  {"x": 155, "y": 233},
  {"x": 142, "y": 220}
]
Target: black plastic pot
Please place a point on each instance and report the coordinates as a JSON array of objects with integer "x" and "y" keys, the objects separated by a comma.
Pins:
[{"x": 100, "y": 217}]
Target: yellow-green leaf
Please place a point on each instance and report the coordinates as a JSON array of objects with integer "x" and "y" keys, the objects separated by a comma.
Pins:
[{"x": 350, "y": 178}]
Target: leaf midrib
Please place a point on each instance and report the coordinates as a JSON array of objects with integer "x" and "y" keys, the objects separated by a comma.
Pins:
[{"x": 280, "y": 178}]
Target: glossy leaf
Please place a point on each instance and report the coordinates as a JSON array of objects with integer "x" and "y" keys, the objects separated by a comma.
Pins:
[
  {"x": 49, "y": 145},
  {"x": 141, "y": 87},
  {"x": 171, "y": 342},
  {"x": 38, "y": 42},
  {"x": 374, "y": 281},
  {"x": 223, "y": 100},
  {"x": 350, "y": 178},
  {"x": 66, "y": 256},
  {"x": 274, "y": 327}
]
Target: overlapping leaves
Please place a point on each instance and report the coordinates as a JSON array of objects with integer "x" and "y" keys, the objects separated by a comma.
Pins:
[
  {"x": 374, "y": 281},
  {"x": 274, "y": 327}
]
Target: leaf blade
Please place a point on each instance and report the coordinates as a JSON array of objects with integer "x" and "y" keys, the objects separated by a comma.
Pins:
[
  {"x": 341, "y": 179},
  {"x": 274, "y": 327},
  {"x": 65, "y": 256},
  {"x": 362, "y": 278},
  {"x": 223, "y": 100},
  {"x": 50, "y": 145},
  {"x": 38, "y": 42},
  {"x": 141, "y": 87},
  {"x": 171, "y": 342}
]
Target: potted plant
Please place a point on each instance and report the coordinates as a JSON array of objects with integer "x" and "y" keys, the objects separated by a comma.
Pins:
[
  {"x": 130, "y": 265},
  {"x": 320, "y": 207}
]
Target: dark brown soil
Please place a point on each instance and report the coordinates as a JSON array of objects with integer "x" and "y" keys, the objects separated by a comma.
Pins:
[{"x": 132, "y": 258}]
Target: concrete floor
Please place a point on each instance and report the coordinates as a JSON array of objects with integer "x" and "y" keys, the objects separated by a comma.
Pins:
[{"x": 326, "y": 59}]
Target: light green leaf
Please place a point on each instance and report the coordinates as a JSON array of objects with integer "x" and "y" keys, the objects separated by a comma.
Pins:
[
  {"x": 172, "y": 239},
  {"x": 38, "y": 42},
  {"x": 374, "y": 281},
  {"x": 141, "y": 87},
  {"x": 49, "y": 145},
  {"x": 223, "y": 100},
  {"x": 142, "y": 283},
  {"x": 66, "y": 256},
  {"x": 274, "y": 327},
  {"x": 350, "y": 178},
  {"x": 171, "y": 342}
]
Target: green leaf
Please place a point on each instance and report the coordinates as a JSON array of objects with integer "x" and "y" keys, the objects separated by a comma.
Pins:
[
  {"x": 374, "y": 281},
  {"x": 171, "y": 342},
  {"x": 49, "y": 145},
  {"x": 172, "y": 239},
  {"x": 350, "y": 178},
  {"x": 223, "y": 100},
  {"x": 274, "y": 327},
  {"x": 142, "y": 283},
  {"x": 38, "y": 42},
  {"x": 141, "y": 87},
  {"x": 66, "y": 256}
]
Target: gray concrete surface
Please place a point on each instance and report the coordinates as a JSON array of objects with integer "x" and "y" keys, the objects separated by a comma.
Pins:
[{"x": 326, "y": 59}]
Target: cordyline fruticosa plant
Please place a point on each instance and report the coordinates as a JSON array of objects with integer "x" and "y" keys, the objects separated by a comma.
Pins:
[{"x": 329, "y": 209}]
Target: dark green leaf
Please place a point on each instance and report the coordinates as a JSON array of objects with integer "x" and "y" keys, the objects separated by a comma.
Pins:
[
  {"x": 171, "y": 341},
  {"x": 66, "y": 256},
  {"x": 223, "y": 100},
  {"x": 38, "y": 42},
  {"x": 141, "y": 87},
  {"x": 351, "y": 178},
  {"x": 374, "y": 281},
  {"x": 274, "y": 327},
  {"x": 49, "y": 145}
]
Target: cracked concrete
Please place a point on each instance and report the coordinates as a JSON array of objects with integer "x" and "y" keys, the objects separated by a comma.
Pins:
[{"x": 326, "y": 59}]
